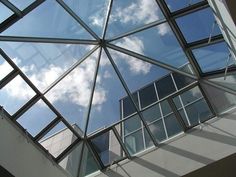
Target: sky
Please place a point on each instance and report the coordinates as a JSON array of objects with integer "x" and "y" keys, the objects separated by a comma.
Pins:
[{"x": 44, "y": 63}]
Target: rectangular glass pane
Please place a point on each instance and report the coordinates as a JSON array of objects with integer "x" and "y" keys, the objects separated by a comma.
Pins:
[
  {"x": 189, "y": 25},
  {"x": 172, "y": 125},
  {"x": 181, "y": 80},
  {"x": 188, "y": 96},
  {"x": 165, "y": 87},
  {"x": 157, "y": 129},
  {"x": 132, "y": 124},
  {"x": 147, "y": 95},
  {"x": 151, "y": 114},
  {"x": 198, "y": 112},
  {"x": 128, "y": 107},
  {"x": 213, "y": 57},
  {"x": 134, "y": 142}
]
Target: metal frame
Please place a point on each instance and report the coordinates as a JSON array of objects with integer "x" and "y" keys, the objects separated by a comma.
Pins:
[{"x": 103, "y": 43}]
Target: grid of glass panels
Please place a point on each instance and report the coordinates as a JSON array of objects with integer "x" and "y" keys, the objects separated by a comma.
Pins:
[{"x": 60, "y": 81}]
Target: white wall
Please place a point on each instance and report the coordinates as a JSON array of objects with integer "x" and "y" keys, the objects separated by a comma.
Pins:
[
  {"x": 205, "y": 144},
  {"x": 22, "y": 158}
]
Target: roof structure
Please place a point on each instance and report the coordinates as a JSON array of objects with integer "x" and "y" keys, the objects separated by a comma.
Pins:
[{"x": 72, "y": 62}]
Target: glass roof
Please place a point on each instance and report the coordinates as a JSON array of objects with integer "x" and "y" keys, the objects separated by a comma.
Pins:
[{"x": 90, "y": 67}]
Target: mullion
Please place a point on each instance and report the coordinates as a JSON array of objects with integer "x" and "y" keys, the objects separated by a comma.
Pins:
[{"x": 180, "y": 37}]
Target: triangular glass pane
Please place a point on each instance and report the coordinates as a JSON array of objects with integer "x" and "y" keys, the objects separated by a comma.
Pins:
[
  {"x": 108, "y": 147},
  {"x": 15, "y": 94},
  {"x": 71, "y": 95},
  {"x": 71, "y": 162},
  {"x": 5, "y": 68},
  {"x": 158, "y": 43},
  {"x": 92, "y": 12},
  {"x": 88, "y": 163},
  {"x": 5, "y": 12},
  {"x": 36, "y": 118},
  {"x": 58, "y": 139},
  {"x": 48, "y": 20},
  {"x": 130, "y": 14},
  {"x": 108, "y": 92},
  {"x": 44, "y": 63}
]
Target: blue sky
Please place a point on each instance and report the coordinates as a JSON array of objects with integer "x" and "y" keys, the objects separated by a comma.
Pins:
[{"x": 44, "y": 63}]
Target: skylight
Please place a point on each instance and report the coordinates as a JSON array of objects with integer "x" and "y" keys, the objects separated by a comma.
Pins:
[{"x": 101, "y": 68}]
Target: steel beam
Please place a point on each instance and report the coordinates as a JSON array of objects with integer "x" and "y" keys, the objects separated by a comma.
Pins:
[{"x": 107, "y": 19}]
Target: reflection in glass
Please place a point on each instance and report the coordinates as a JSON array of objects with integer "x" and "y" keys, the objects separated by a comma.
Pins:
[
  {"x": 132, "y": 124},
  {"x": 147, "y": 95},
  {"x": 128, "y": 106},
  {"x": 172, "y": 125},
  {"x": 151, "y": 114},
  {"x": 48, "y": 20},
  {"x": 157, "y": 129},
  {"x": 15, "y": 94},
  {"x": 165, "y": 87},
  {"x": 198, "y": 25},
  {"x": 44, "y": 63},
  {"x": 36, "y": 118},
  {"x": 228, "y": 81},
  {"x": 134, "y": 142},
  {"x": 213, "y": 57},
  {"x": 198, "y": 112}
]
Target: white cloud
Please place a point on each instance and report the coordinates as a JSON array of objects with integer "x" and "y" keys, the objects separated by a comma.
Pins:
[
  {"x": 5, "y": 68},
  {"x": 75, "y": 87},
  {"x": 142, "y": 12},
  {"x": 136, "y": 66}
]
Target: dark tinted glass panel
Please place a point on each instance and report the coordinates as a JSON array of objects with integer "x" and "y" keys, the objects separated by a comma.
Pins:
[
  {"x": 198, "y": 112},
  {"x": 152, "y": 113},
  {"x": 132, "y": 124},
  {"x": 166, "y": 109},
  {"x": 165, "y": 86},
  {"x": 189, "y": 96},
  {"x": 157, "y": 129},
  {"x": 181, "y": 81},
  {"x": 172, "y": 125},
  {"x": 147, "y": 96},
  {"x": 128, "y": 107}
]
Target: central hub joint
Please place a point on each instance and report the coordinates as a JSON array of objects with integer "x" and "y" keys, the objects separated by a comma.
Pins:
[{"x": 102, "y": 42}]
